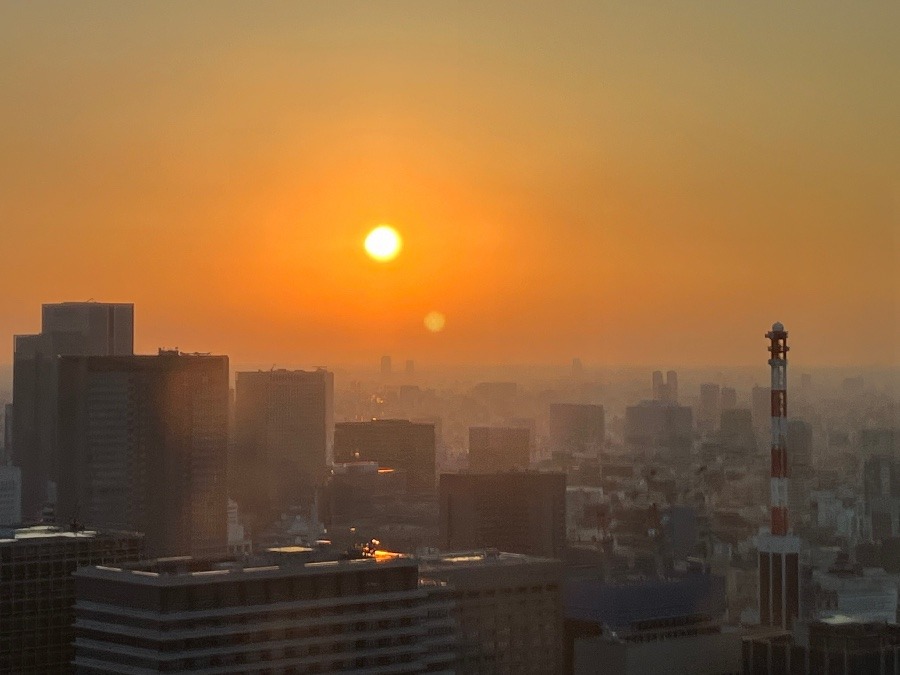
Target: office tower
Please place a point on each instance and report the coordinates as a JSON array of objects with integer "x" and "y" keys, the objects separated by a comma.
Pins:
[
  {"x": 71, "y": 328},
  {"x": 736, "y": 431},
  {"x": 385, "y": 365},
  {"x": 37, "y": 591},
  {"x": 6, "y": 455},
  {"x": 665, "y": 391},
  {"x": 144, "y": 442},
  {"x": 395, "y": 444},
  {"x": 507, "y": 608},
  {"x": 659, "y": 427},
  {"x": 519, "y": 512},
  {"x": 287, "y": 611},
  {"x": 799, "y": 440},
  {"x": 10, "y": 495},
  {"x": 708, "y": 410},
  {"x": 761, "y": 412},
  {"x": 879, "y": 442},
  {"x": 493, "y": 449},
  {"x": 881, "y": 495},
  {"x": 284, "y": 422},
  {"x": 779, "y": 551},
  {"x": 728, "y": 398},
  {"x": 577, "y": 428}
]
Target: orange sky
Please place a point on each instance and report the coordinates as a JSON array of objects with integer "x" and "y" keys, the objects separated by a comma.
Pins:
[{"x": 627, "y": 184}]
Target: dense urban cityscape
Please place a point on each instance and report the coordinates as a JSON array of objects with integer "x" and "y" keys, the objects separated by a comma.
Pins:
[
  {"x": 470, "y": 337},
  {"x": 162, "y": 513}
]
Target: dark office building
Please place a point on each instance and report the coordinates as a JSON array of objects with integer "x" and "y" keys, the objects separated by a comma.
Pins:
[
  {"x": 708, "y": 408},
  {"x": 519, "y": 512},
  {"x": 286, "y": 611},
  {"x": 395, "y": 444},
  {"x": 284, "y": 424},
  {"x": 144, "y": 442},
  {"x": 653, "y": 425},
  {"x": 37, "y": 591},
  {"x": 71, "y": 328},
  {"x": 493, "y": 449},
  {"x": 577, "y": 428},
  {"x": 736, "y": 431}
]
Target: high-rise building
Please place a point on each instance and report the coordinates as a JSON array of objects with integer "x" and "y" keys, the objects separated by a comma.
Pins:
[
  {"x": 289, "y": 610},
  {"x": 660, "y": 426},
  {"x": 665, "y": 391},
  {"x": 6, "y": 454},
  {"x": 577, "y": 428},
  {"x": 395, "y": 444},
  {"x": 493, "y": 449},
  {"x": 284, "y": 426},
  {"x": 736, "y": 431},
  {"x": 10, "y": 495},
  {"x": 385, "y": 365},
  {"x": 708, "y": 410},
  {"x": 37, "y": 591},
  {"x": 519, "y": 512},
  {"x": 728, "y": 398},
  {"x": 68, "y": 328},
  {"x": 144, "y": 442},
  {"x": 507, "y": 608}
]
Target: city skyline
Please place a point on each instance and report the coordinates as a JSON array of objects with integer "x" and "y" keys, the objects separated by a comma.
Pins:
[{"x": 621, "y": 184}]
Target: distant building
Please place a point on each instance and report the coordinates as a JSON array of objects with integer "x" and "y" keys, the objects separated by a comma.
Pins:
[
  {"x": 284, "y": 426},
  {"x": 507, "y": 609},
  {"x": 37, "y": 591},
  {"x": 10, "y": 495},
  {"x": 879, "y": 442},
  {"x": 728, "y": 398},
  {"x": 881, "y": 496},
  {"x": 6, "y": 455},
  {"x": 653, "y": 425},
  {"x": 648, "y": 627},
  {"x": 837, "y": 646},
  {"x": 708, "y": 409},
  {"x": 761, "y": 411},
  {"x": 144, "y": 442},
  {"x": 736, "y": 431},
  {"x": 288, "y": 610},
  {"x": 519, "y": 512},
  {"x": 577, "y": 428},
  {"x": 395, "y": 444},
  {"x": 68, "y": 328},
  {"x": 494, "y": 449},
  {"x": 410, "y": 367},
  {"x": 665, "y": 391},
  {"x": 385, "y": 365}
]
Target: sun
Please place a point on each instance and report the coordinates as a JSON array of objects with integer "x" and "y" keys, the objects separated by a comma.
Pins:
[{"x": 383, "y": 243}]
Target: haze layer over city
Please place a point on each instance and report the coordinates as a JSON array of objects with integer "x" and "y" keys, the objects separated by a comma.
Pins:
[{"x": 450, "y": 337}]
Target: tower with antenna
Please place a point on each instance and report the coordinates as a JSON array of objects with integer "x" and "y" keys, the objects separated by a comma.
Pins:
[{"x": 779, "y": 549}]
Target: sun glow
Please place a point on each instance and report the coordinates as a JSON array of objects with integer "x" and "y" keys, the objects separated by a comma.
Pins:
[{"x": 383, "y": 243}]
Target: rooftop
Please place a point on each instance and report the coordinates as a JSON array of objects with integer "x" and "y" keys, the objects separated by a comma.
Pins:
[{"x": 40, "y": 533}]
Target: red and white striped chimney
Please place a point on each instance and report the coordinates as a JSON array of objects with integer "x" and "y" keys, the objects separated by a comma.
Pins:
[{"x": 778, "y": 350}]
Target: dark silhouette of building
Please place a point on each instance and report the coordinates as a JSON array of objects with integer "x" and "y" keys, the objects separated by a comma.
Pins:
[
  {"x": 71, "y": 328},
  {"x": 736, "y": 431},
  {"x": 284, "y": 425},
  {"x": 144, "y": 447},
  {"x": 385, "y": 365},
  {"x": 37, "y": 591},
  {"x": 520, "y": 512},
  {"x": 576, "y": 428},
  {"x": 289, "y": 610},
  {"x": 655, "y": 425},
  {"x": 395, "y": 444},
  {"x": 493, "y": 449},
  {"x": 728, "y": 398},
  {"x": 665, "y": 391},
  {"x": 708, "y": 410}
]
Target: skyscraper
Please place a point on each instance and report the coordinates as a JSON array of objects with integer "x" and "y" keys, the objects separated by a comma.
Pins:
[
  {"x": 519, "y": 512},
  {"x": 498, "y": 449},
  {"x": 144, "y": 447},
  {"x": 395, "y": 444},
  {"x": 284, "y": 426},
  {"x": 577, "y": 428},
  {"x": 70, "y": 328}
]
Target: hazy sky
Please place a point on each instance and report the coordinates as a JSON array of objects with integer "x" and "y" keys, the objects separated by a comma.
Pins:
[{"x": 633, "y": 182}]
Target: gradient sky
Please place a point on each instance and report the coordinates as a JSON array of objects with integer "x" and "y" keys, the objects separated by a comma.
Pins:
[{"x": 641, "y": 183}]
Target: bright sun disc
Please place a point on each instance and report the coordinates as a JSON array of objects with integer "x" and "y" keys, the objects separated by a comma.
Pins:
[
  {"x": 383, "y": 243},
  {"x": 434, "y": 321}
]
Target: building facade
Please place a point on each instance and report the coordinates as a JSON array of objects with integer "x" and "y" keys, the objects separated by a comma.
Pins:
[
  {"x": 519, "y": 512},
  {"x": 499, "y": 449},
  {"x": 289, "y": 611},
  {"x": 395, "y": 444},
  {"x": 284, "y": 426},
  {"x": 71, "y": 328},
  {"x": 145, "y": 447},
  {"x": 37, "y": 591}
]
